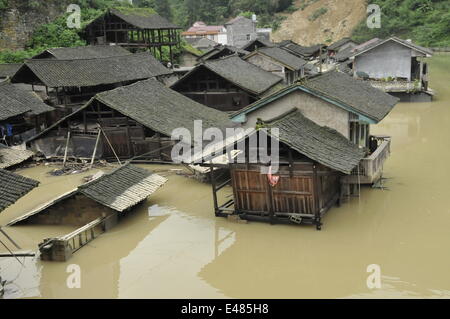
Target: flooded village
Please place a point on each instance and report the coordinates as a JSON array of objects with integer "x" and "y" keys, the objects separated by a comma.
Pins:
[{"x": 88, "y": 175}]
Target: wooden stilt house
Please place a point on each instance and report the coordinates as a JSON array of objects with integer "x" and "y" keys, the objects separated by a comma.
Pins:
[
  {"x": 227, "y": 84},
  {"x": 128, "y": 121},
  {"x": 71, "y": 83},
  {"x": 311, "y": 162},
  {"x": 134, "y": 28}
]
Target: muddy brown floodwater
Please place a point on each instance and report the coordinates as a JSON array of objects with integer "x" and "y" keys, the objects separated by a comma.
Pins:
[{"x": 174, "y": 247}]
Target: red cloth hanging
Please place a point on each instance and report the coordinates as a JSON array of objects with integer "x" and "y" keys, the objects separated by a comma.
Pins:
[{"x": 273, "y": 180}]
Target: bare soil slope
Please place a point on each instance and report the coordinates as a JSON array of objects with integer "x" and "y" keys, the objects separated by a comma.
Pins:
[{"x": 321, "y": 21}]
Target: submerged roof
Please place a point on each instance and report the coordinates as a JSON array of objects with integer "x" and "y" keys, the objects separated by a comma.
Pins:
[
  {"x": 157, "y": 107},
  {"x": 319, "y": 143},
  {"x": 123, "y": 188},
  {"x": 84, "y": 52},
  {"x": 14, "y": 98},
  {"x": 13, "y": 187},
  {"x": 119, "y": 190},
  {"x": 11, "y": 156},
  {"x": 340, "y": 89},
  {"x": 9, "y": 69},
  {"x": 142, "y": 18},
  {"x": 289, "y": 60},
  {"x": 92, "y": 72},
  {"x": 241, "y": 73}
]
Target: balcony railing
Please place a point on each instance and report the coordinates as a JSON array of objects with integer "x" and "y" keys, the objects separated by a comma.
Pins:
[
  {"x": 371, "y": 168},
  {"x": 397, "y": 86}
]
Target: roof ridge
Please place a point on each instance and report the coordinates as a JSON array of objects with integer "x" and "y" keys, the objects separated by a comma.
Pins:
[{"x": 89, "y": 59}]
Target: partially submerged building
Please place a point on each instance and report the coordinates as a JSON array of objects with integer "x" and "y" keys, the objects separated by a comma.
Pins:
[
  {"x": 395, "y": 66},
  {"x": 311, "y": 164},
  {"x": 129, "y": 121},
  {"x": 22, "y": 114},
  {"x": 340, "y": 102},
  {"x": 107, "y": 194},
  {"x": 134, "y": 28},
  {"x": 97, "y": 206},
  {"x": 71, "y": 83},
  {"x": 13, "y": 187},
  {"x": 227, "y": 84},
  {"x": 11, "y": 157},
  {"x": 279, "y": 62}
]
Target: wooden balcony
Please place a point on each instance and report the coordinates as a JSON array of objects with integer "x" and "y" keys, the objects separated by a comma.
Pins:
[
  {"x": 397, "y": 86},
  {"x": 371, "y": 168}
]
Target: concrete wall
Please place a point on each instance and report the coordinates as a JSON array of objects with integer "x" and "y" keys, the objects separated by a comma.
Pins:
[
  {"x": 317, "y": 110},
  {"x": 238, "y": 31},
  {"x": 77, "y": 210},
  {"x": 388, "y": 60}
]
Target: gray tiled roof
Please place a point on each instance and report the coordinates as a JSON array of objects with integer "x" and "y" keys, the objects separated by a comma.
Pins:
[
  {"x": 123, "y": 188},
  {"x": 321, "y": 144},
  {"x": 291, "y": 61},
  {"x": 377, "y": 42},
  {"x": 339, "y": 43},
  {"x": 298, "y": 49},
  {"x": 357, "y": 94},
  {"x": 241, "y": 73},
  {"x": 9, "y": 69},
  {"x": 223, "y": 50},
  {"x": 13, "y": 187},
  {"x": 84, "y": 52},
  {"x": 262, "y": 42},
  {"x": 16, "y": 98},
  {"x": 11, "y": 107},
  {"x": 10, "y": 156},
  {"x": 157, "y": 107},
  {"x": 92, "y": 72},
  {"x": 142, "y": 19},
  {"x": 160, "y": 108}
]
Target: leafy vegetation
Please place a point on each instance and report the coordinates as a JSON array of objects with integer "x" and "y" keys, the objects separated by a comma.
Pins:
[{"x": 426, "y": 22}]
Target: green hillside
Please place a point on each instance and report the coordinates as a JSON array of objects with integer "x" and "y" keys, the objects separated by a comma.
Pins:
[{"x": 426, "y": 22}]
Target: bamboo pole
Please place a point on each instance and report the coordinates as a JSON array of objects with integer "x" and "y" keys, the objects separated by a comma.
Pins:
[
  {"x": 110, "y": 145},
  {"x": 66, "y": 150},
  {"x": 95, "y": 149}
]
